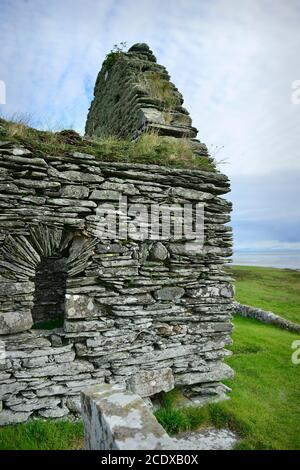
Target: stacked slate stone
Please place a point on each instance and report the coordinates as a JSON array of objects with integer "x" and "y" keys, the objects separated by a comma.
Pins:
[
  {"x": 133, "y": 94},
  {"x": 145, "y": 313},
  {"x": 148, "y": 311}
]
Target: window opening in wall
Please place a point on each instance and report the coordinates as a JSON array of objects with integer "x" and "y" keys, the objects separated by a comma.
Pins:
[{"x": 50, "y": 291}]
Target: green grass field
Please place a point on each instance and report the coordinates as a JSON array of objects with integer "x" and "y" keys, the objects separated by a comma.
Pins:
[
  {"x": 42, "y": 435},
  {"x": 272, "y": 289},
  {"x": 265, "y": 400}
]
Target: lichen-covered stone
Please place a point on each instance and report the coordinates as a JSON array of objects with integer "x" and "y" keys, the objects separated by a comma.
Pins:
[
  {"x": 116, "y": 419},
  {"x": 76, "y": 192},
  {"x": 81, "y": 306},
  {"x": 11, "y": 417},
  {"x": 158, "y": 252},
  {"x": 147, "y": 383},
  {"x": 13, "y": 322},
  {"x": 169, "y": 293}
]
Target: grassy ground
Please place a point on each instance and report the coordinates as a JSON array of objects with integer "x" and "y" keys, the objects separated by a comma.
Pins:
[
  {"x": 149, "y": 149},
  {"x": 272, "y": 289},
  {"x": 265, "y": 400},
  {"x": 42, "y": 435}
]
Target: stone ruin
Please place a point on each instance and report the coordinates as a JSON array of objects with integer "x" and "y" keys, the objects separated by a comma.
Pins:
[{"x": 77, "y": 310}]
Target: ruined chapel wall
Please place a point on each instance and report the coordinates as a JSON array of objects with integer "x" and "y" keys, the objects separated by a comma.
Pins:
[
  {"x": 133, "y": 94},
  {"x": 132, "y": 307}
]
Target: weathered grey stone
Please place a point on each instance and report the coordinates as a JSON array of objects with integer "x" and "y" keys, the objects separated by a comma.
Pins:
[
  {"x": 105, "y": 195},
  {"x": 219, "y": 290},
  {"x": 39, "y": 351},
  {"x": 191, "y": 194},
  {"x": 145, "y": 299},
  {"x": 51, "y": 390},
  {"x": 4, "y": 376},
  {"x": 35, "y": 404},
  {"x": 147, "y": 383},
  {"x": 36, "y": 362},
  {"x": 20, "y": 151},
  {"x": 11, "y": 417},
  {"x": 39, "y": 184},
  {"x": 70, "y": 202},
  {"x": 165, "y": 354},
  {"x": 80, "y": 177},
  {"x": 158, "y": 252},
  {"x": 122, "y": 188},
  {"x": 115, "y": 419},
  {"x": 8, "y": 289},
  {"x": 66, "y": 357},
  {"x": 39, "y": 201},
  {"x": 74, "y": 404},
  {"x": 67, "y": 369},
  {"x": 14, "y": 322},
  {"x": 95, "y": 325},
  {"x": 219, "y": 372},
  {"x": 170, "y": 293},
  {"x": 90, "y": 290},
  {"x": 80, "y": 306},
  {"x": 56, "y": 341},
  {"x": 58, "y": 412},
  {"x": 11, "y": 387},
  {"x": 204, "y": 439},
  {"x": 9, "y": 188},
  {"x": 75, "y": 191}
]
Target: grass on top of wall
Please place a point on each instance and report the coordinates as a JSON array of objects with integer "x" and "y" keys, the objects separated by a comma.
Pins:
[
  {"x": 148, "y": 149},
  {"x": 159, "y": 88},
  {"x": 277, "y": 290}
]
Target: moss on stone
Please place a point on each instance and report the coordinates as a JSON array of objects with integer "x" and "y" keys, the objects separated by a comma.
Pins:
[{"x": 150, "y": 148}]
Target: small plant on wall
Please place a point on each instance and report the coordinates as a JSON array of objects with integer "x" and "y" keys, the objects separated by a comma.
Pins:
[{"x": 114, "y": 54}]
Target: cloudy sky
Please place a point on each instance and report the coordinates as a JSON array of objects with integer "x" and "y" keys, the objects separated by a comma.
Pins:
[{"x": 234, "y": 61}]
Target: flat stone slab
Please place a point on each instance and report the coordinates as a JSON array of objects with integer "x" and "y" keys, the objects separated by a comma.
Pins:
[
  {"x": 115, "y": 418},
  {"x": 204, "y": 439}
]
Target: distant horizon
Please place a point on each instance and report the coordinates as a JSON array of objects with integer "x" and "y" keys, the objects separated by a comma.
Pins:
[
  {"x": 272, "y": 258},
  {"x": 266, "y": 250}
]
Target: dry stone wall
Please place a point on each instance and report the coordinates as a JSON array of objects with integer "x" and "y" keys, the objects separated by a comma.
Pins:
[
  {"x": 145, "y": 313},
  {"x": 265, "y": 317},
  {"x": 134, "y": 94}
]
